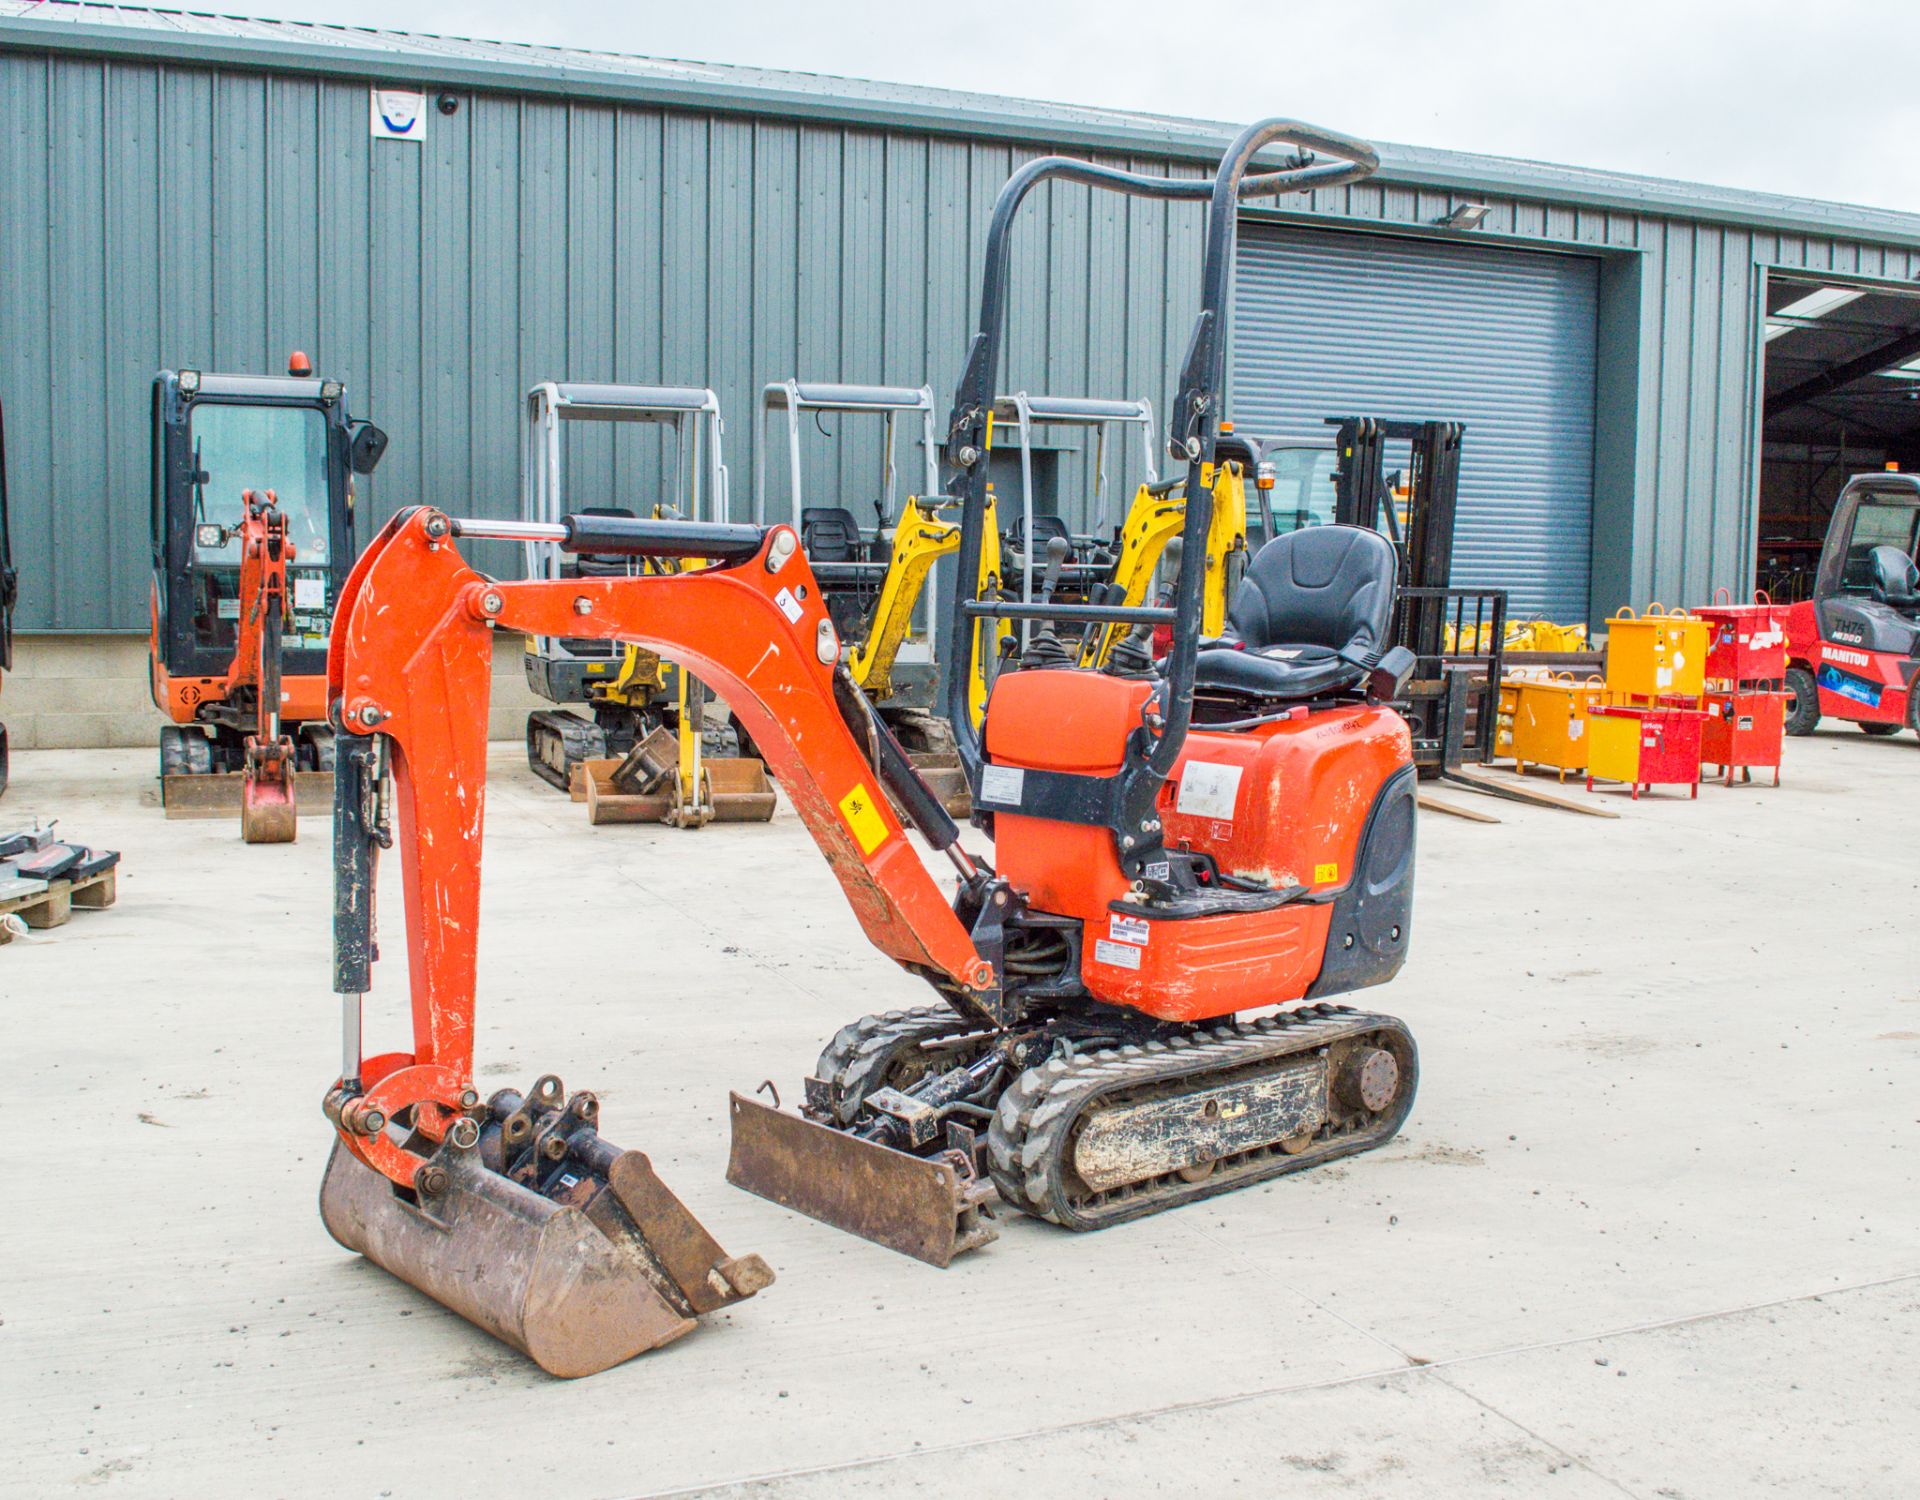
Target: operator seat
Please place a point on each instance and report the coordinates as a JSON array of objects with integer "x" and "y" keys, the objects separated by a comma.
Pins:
[
  {"x": 1896, "y": 579},
  {"x": 1310, "y": 618},
  {"x": 829, "y": 533},
  {"x": 1046, "y": 526}
]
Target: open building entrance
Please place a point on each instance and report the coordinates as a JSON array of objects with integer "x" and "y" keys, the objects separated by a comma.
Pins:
[{"x": 1841, "y": 377}]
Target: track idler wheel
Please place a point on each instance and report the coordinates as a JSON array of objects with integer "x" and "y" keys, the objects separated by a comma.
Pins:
[
  {"x": 268, "y": 812},
  {"x": 537, "y": 1230}
]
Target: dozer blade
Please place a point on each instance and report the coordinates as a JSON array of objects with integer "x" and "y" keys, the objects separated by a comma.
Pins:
[
  {"x": 222, "y": 793},
  {"x": 577, "y": 1290},
  {"x": 268, "y": 812},
  {"x": 929, "y": 1208}
]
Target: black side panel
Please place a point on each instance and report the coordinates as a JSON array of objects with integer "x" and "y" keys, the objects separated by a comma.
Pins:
[{"x": 1373, "y": 916}]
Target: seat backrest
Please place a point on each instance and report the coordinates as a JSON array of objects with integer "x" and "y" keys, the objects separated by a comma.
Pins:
[
  {"x": 829, "y": 533},
  {"x": 602, "y": 564},
  {"x": 1894, "y": 574},
  {"x": 1046, "y": 527},
  {"x": 1322, "y": 586}
]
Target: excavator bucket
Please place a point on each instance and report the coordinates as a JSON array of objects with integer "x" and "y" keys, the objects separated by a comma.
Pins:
[
  {"x": 932, "y": 1208},
  {"x": 268, "y": 811},
  {"x": 569, "y": 1249}
]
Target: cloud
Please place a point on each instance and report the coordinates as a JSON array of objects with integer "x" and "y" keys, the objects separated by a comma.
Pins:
[{"x": 1742, "y": 93}]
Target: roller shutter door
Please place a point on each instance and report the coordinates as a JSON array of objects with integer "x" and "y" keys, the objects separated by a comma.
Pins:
[{"x": 1331, "y": 325}]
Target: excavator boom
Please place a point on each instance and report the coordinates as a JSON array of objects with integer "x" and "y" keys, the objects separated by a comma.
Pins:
[{"x": 408, "y": 672}]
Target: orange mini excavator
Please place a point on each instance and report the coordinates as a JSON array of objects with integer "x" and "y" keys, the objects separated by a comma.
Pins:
[
  {"x": 220, "y": 444},
  {"x": 1175, "y": 845}
]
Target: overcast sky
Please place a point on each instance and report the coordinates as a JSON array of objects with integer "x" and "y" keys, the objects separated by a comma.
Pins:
[{"x": 1747, "y": 93}]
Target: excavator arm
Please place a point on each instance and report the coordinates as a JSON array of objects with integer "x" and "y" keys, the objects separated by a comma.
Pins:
[
  {"x": 268, "y": 814},
  {"x": 919, "y": 539},
  {"x": 411, "y": 661},
  {"x": 1156, "y": 516}
]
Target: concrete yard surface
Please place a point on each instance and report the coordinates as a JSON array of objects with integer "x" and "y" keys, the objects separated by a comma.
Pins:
[{"x": 1652, "y": 1230}]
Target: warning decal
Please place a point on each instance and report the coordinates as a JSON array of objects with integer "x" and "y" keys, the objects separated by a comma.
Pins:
[
  {"x": 1326, "y": 874},
  {"x": 1208, "y": 790},
  {"x": 864, "y": 818}
]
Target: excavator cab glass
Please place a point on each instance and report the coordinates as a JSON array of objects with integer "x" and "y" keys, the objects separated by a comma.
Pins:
[{"x": 1881, "y": 521}]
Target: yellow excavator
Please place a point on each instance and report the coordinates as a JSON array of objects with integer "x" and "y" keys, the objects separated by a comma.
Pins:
[
  {"x": 643, "y": 755},
  {"x": 921, "y": 537},
  {"x": 1058, "y": 566},
  {"x": 875, "y": 580}
]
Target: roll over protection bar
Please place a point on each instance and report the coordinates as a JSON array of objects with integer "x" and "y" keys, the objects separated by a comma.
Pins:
[{"x": 1126, "y": 799}]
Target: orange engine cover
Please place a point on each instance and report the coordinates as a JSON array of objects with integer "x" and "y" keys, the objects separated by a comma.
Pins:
[{"x": 1283, "y": 804}]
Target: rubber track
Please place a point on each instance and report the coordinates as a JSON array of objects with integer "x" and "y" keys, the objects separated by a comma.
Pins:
[
  {"x": 858, "y": 1058},
  {"x": 580, "y": 740},
  {"x": 1032, "y": 1131}
]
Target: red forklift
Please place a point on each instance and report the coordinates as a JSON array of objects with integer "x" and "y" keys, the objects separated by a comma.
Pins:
[{"x": 1853, "y": 649}]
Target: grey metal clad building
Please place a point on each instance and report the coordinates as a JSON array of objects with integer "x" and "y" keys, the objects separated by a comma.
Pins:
[{"x": 1662, "y": 383}]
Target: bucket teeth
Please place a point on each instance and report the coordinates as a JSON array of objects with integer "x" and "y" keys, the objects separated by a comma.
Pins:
[{"x": 580, "y": 1260}]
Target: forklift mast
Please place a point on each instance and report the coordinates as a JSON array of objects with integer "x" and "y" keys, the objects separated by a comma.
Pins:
[
  {"x": 1457, "y": 634},
  {"x": 1364, "y": 496}
]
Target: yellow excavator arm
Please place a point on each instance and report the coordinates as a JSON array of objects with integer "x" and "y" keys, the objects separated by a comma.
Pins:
[
  {"x": 1153, "y": 520},
  {"x": 920, "y": 539}
]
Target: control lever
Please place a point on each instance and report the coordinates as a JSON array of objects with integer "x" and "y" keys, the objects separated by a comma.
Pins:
[
  {"x": 1043, "y": 646},
  {"x": 1058, "y": 550}
]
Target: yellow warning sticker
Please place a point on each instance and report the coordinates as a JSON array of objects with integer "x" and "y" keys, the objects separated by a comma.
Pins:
[
  {"x": 864, "y": 818},
  {"x": 1324, "y": 874}
]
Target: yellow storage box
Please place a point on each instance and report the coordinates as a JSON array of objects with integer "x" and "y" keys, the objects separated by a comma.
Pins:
[
  {"x": 1550, "y": 720},
  {"x": 1656, "y": 655}
]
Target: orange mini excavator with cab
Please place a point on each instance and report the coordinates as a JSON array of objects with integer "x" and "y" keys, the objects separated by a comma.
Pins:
[
  {"x": 253, "y": 489},
  {"x": 1175, "y": 844}
]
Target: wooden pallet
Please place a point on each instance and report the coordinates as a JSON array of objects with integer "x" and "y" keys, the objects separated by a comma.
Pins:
[{"x": 54, "y": 906}]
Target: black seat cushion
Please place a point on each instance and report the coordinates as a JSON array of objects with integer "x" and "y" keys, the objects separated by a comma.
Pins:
[
  {"x": 1276, "y": 672},
  {"x": 830, "y": 534},
  {"x": 1310, "y": 617}
]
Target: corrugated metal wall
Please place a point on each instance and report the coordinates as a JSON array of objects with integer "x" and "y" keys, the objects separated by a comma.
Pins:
[
  {"x": 154, "y": 214},
  {"x": 158, "y": 215}
]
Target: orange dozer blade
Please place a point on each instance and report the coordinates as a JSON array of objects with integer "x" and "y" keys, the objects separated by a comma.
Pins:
[
  {"x": 268, "y": 812},
  {"x": 578, "y": 1256}
]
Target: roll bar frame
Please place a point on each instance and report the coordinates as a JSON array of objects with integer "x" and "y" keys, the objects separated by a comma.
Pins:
[{"x": 1125, "y": 801}]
